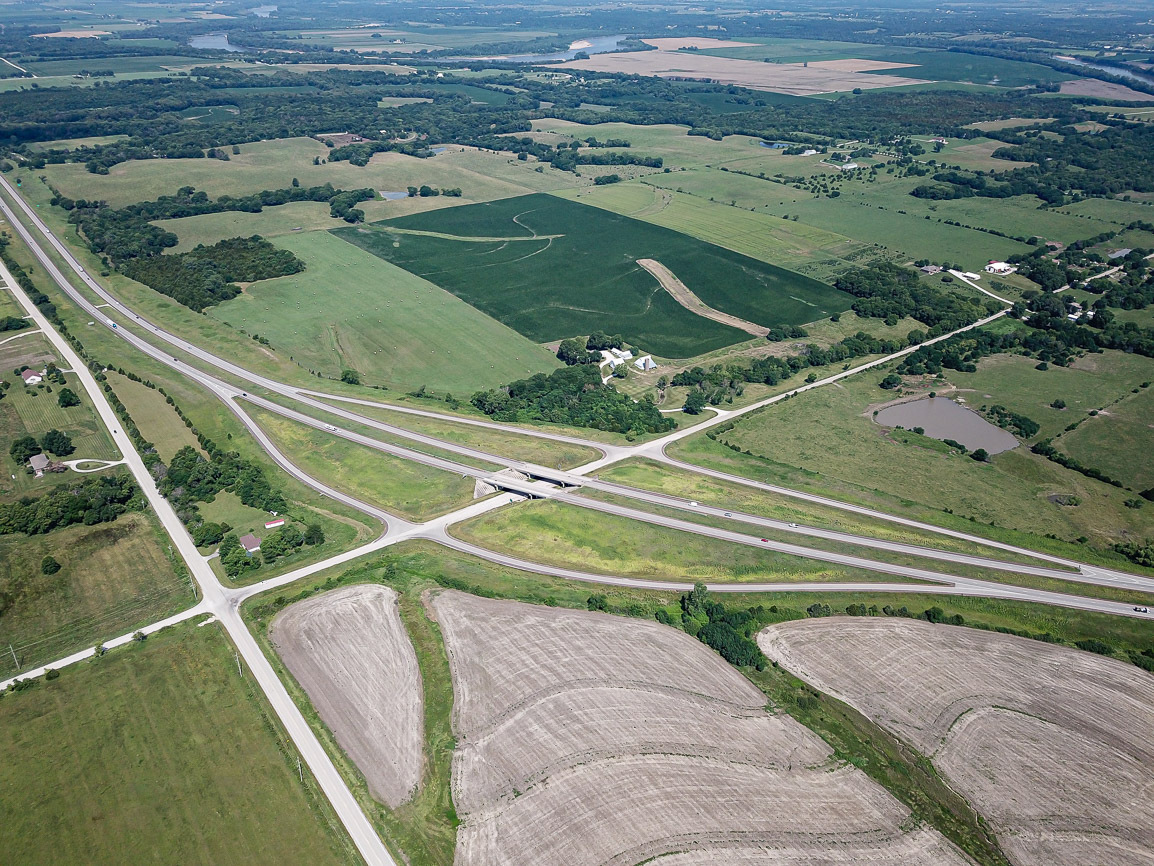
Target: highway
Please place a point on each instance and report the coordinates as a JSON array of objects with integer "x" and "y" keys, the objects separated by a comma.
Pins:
[{"x": 223, "y": 603}]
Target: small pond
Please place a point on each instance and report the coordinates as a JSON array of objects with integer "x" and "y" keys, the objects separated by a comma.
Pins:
[
  {"x": 942, "y": 418},
  {"x": 393, "y": 195}
]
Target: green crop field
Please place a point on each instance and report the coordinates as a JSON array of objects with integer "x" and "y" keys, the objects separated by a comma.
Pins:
[
  {"x": 158, "y": 752},
  {"x": 392, "y": 327},
  {"x": 552, "y": 269},
  {"x": 114, "y": 577},
  {"x": 824, "y": 441}
]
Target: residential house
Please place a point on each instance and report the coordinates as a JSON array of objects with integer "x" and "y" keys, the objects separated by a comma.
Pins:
[
  {"x": 250, "y": 543},
  {"x": 31, "y": 377}
]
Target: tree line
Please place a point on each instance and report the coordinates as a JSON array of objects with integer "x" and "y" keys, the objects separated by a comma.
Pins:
[{"x": 95, "y": 500}]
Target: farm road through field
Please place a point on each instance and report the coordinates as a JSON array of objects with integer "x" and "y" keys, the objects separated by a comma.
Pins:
[{"x": 685, "y": 296}]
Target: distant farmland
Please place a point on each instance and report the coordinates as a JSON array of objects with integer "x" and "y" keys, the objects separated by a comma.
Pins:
[{"x": 552, "y": 268}]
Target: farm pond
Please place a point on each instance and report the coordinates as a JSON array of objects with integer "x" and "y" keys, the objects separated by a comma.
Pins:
[{"x": 942, "y": 418}]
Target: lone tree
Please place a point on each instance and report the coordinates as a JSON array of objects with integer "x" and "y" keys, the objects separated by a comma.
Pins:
[
  {"x": 350, "y": 377},
  {"x": 49, "y": 565},
  {"x": 981, "y": 455},
  {"x": 67, "y": 397},
  {"x": 24, "y": 448},
  {"x": 893, "y": 380},
  {"x": 695, "y": 402},
  {"x": 314, "y": 534}
]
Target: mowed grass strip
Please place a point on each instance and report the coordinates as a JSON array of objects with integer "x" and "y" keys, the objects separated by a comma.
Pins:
[
  {"x": 569, "y": 536},
  {"x": 113, "y": 577},
  {"x": 156, "y": 419},
  {"x": 566, "y": 269},
  {"x": 391, "y": 326},
  {"x": 158, "y": 752},
  {"x": 405, "y": 488}
]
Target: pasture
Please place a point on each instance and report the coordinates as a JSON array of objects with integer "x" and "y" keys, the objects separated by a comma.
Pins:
[
  {"x": 114, "y": 577},
  {"x": 1036, "y": 736},
  {"x": 157, "y": 421},
  {"x": 158, "y": 752},
  {"x": 568, "y": 721},
  {"x": 1119, "y": 441},
  {"x": 551, "y": 269},
  {"x": 394, "y": 328},
  {"x": 847, "y": 459}
]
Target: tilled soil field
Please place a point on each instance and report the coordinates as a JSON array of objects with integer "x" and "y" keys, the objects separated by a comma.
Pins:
[
  {"x": 1052, "y": 745},
  {"x": 349, "y": 651},
  {"x": 585, "y": 738}
]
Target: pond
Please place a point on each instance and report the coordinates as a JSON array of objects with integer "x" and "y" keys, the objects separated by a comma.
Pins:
[
  {"x": 944, "y": 419},
  {"x": 393, "y": 195},
  {"x": 213, "y": 41}
]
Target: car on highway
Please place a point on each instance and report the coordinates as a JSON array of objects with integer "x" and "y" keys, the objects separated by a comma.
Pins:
[
  {"x": 766, "y": 540},
  {"x": 793, "y": 526},
  {"x": 728, "y": 514},
  {"x": 1142, "y": 609}
]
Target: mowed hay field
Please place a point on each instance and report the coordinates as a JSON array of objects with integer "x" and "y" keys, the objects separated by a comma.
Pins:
[
  {"x": 114, "y": 577},
  {"x": 1052, "y": 745},
  {"x": 393, "y": 327},
  {"x": 584, "y": 738},
  {"x": 551, "y": 268},
  {"x": 157, "y": 753},
  {"x": 349, "y": 651}
]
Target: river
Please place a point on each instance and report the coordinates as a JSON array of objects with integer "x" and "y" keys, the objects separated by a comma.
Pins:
[
  {"x": 214, "y": 42},
  {"x": 591, "y": 45},
  {"x": 1113, "y": 70}
]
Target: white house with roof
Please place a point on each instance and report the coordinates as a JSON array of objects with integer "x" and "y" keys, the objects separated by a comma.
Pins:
[
  {"x": 39, "y": 462},
  {"x": 1000, "y": 268},
  {"x": 31, "y": 377}
]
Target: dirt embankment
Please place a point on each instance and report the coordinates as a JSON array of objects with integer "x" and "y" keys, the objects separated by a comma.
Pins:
[
  {"x": 1050, "y": 744},
  {"x": 349, "y": 651},
  {"x": 586, "y": 739},
  {"x": 685, "y": 296}
]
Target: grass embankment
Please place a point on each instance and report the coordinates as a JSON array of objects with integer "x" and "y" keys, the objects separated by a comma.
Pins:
[
  {"x": 853, "y": 459},
  {"x": 158, "y": 752},
  {"x": 402, "y": 487},
  {"x": 157, "y": 421},
  {"x": 551, "y": 533},
  {"x": 512, "y": 445},
  {"x": 413, "y": 567},
  {"x": 114, "y": 577}
]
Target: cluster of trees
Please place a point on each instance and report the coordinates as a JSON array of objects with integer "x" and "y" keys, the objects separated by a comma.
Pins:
[
  {"x": 284, "y": 542},
  {"x": 729, "y": 632},
  {"x": 54, "y": 442},
  {"x": 573, "y": 396},
  {"x": 190, "y": 478},
  {"x": 1021, "y": 425},
  {"x": 12, "y": 323},
  {"x": 100, "y": 499},
  {"x": 588, "y": 351},
  {"x": 205, "y": 276},
  {"x": 891, "y": 292},
  {"x": 725, "y": 381}
]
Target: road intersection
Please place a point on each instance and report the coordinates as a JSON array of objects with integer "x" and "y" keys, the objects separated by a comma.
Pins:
[{"x": 223, "y": 603}]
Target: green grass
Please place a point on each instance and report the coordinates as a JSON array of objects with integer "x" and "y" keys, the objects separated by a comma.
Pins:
[
  {"x": 814, "y": 251},
  {"x": 1092, "y": 382},
  {"x": 157, "y": 421},
  {"x": 393, "y": 327},
  {"x": 75, "y": 143},
  {"x": 114, "y": 577},
  {"x": 158, "y": 752},
  {"x": 554, "y": 269},
  {"x": 824, "y": 442},
  {"x": 1118, "y": 441},
  {"x": 544, "y": 452},
  {"x": 402, "y": 487},
  {"x": 272, "y": 222},
  {"x": 552, "y": 533},
  {"x": 662, "y": 478},
  {"x": 273, "y": 165}
]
